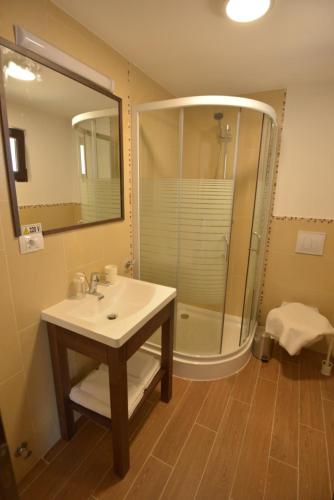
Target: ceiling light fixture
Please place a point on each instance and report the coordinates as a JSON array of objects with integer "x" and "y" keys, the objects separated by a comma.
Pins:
[
  {"x": 245, "y": 11},
  {"x": 19, "y": 72}
]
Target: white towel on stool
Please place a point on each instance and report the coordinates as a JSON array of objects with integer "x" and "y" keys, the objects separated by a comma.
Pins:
[{"x": 296, "y": 325}]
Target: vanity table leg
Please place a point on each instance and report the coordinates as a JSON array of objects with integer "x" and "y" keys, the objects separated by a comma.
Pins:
[
  {"x": 62, "y": 382},
  {"x": 119, "y": 409},
  {"x": 167, "y": 355}
]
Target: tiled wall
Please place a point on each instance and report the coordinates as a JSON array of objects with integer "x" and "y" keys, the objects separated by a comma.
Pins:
[
  {"x": 33, "y": 281},
  {"x": 298, "y": 277}
]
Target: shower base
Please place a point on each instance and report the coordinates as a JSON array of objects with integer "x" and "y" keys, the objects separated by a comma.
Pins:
[{"x": 198, "y": 353}]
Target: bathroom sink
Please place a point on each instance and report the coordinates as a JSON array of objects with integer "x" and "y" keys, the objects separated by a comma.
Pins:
[{"x": 126, "y": 307}]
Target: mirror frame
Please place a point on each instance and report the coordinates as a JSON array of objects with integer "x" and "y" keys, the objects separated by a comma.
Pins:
[{"x": 5, "y": 136}]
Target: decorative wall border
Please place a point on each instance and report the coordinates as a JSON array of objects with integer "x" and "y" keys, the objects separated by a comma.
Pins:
[
  {"x": 45, "y": 205},
  {"x": 301, "y": 219},
  {"x": 273, "y": 195}
]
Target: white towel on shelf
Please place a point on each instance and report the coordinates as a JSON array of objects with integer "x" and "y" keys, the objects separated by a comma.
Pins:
[
  {"x": 93, "y": 391},
  {"x": 87, "y": 400},
  {"x": 141, "y": 366},
  {"x": 296, "y": 325}
]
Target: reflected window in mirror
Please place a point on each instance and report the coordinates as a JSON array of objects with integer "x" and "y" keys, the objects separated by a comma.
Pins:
[
  {"x": 65, "y": 139},
  {"x": 18, "y": 154}
]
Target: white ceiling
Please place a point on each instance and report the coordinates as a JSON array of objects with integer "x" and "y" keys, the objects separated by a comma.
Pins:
[{"x": 190, "y": 48}]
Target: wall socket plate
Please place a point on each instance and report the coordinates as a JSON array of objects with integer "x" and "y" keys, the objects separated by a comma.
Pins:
[{"x": 31, "y": 243}]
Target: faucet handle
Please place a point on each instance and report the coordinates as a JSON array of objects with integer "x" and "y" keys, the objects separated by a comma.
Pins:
[{"x": 95, "y": 277}]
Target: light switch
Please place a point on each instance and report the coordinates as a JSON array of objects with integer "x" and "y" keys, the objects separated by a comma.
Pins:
[{"x": 310, "y": 242}]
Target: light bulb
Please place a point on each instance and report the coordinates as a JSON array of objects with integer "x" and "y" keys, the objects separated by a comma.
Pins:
[
  {"x": 19, "y": 72},
  {"x": 245, "y": 11}
]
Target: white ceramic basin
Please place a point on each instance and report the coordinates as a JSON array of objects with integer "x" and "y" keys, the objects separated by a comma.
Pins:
[{"x": 133, "y": 302}]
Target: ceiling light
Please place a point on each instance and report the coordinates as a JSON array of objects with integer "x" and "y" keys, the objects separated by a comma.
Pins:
[
  {"x": 19, "y": 72},
  {"x": 245, "y": 11}
]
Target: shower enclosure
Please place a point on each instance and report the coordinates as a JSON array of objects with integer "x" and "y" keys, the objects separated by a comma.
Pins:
[{"x": 203, "y": 169}]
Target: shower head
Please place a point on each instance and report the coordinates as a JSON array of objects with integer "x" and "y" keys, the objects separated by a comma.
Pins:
[{"x": 218, "y": 116}]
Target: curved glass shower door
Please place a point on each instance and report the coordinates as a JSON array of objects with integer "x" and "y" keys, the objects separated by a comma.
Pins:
[{"x": 186, "y": 187}]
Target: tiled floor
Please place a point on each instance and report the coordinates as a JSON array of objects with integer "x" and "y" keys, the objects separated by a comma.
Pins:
[{"x": 267, "y": 433}]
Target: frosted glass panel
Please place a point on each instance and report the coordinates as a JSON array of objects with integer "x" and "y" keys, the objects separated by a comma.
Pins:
[{"x": 185, "y": 223}]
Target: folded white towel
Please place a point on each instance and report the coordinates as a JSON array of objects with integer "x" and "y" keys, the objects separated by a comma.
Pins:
[
  {"x": 85, "y": 399},
  {"x": 93, "y": 391},
  {"x": 97, "y": 385},
  {"x": 141, "y": 367},
  {"x": 296, "y": 325}
]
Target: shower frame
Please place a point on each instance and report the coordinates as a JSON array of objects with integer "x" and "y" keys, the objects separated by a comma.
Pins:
[{"x": 198, "y": 366}]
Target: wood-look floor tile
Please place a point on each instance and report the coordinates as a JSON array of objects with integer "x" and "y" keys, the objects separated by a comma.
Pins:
[
  {"x": 327, "y": 387},
  {"x": 281, "y": 482},
  {"x": 32, "y": 475},
  {"x": 313, "y": 470},
  {"x": 329, "y": 426},
  {"x": 250, "y": 478},
  {"x": 111, "y": 487},
  {"x": 285, "y": 433},
  {"x": 270, "y": 370},
  {"x": 310, "y": 393},
  {"x": 218, "y": 476},
  {"x": 61, "y": 444},
  {"x": 151, "y": 481},
  {"x": 61, "y": 468},
  {"x": 189, "y": 468},
  {"x": 93, "y": 469},
  {"x": 178, "y": 429},
  {"x": 85, "y": 479},
  {"x": 245, "y": 381},
  {"x": 215, "y": 404}
]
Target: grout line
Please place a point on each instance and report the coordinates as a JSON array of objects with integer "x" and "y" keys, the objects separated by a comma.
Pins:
[
  {"x": 312, "y": 428},
  {"x": 271, "y": 435},
  {"x": 245, "y": 431},
  {"x": 161, "y": 461},
  {"x": 294, "y": 467},
  {"x": 216, "y": 436},
  {"x": 240, "y": 401},
  {"x": 155, "y": 442},
  {"x": 327, "y": 399},
  {"x": 205, "y": 426},
  {"x": 326, "y": 442},
  {"x": 186, "y": 440}
]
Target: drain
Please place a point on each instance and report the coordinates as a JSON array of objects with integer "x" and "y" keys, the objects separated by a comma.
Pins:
[
  {"x": 112, "y": 316},
  {"x": 184, "y": 316}
]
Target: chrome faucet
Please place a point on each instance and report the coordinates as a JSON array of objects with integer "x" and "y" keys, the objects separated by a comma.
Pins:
[{"x": 95, "y": 278}]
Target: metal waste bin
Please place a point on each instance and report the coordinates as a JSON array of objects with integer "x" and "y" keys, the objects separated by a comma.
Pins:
[{"x": 262, "y": 347}]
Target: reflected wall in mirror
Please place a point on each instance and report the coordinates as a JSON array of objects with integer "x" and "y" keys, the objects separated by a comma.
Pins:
[{"x": 65, "y": 145}]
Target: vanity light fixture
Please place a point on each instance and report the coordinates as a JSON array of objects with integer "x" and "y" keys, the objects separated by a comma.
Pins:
[
  {"x": 19, "y": 72},
  {"x": 29, "y": 41},
  {"x": 245, "y": 11}
]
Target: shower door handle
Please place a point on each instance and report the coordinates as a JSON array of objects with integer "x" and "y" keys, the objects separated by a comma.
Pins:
[
  {"x": 227, "y": 246},
  {"x": 258, "y": 237}
]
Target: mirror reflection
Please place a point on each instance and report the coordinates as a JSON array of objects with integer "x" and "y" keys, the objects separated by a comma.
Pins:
[{"x": 65, "y": 146}]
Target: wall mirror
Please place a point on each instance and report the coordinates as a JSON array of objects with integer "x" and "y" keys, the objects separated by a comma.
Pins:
[{"x": 63, "y": 138}]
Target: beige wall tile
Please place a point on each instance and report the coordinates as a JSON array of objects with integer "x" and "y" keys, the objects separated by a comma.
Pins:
[
  {"x": 11, "y": 361},
  {"x": 17, "y": 422},
  {"x": 38, "y": 280},
  {"x": 298, "y": 277},
  {"x": 39, "y": 386}
]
